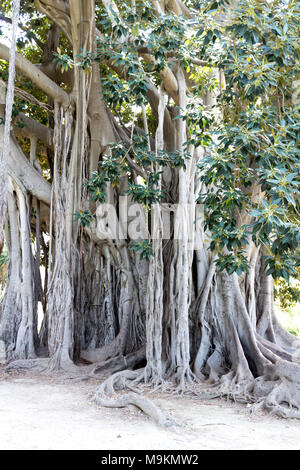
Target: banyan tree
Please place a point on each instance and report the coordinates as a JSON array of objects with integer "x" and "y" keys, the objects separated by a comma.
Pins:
[{"x": 149, "y": 194}]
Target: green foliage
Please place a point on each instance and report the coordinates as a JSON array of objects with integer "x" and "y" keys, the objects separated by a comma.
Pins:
[
  {"x": 143, "y": 248},
  {"x": 4, "y": 261},
  {"x": 83, "y": 217},
  {"x": 255, "y": 149},
  {"x": 145, "y": 194},
  {"x": 115, "y": 90},
  {"x": 287, "y": 294},
  {"x": 287, "y": 297},
  {"x": 96, "y": 186},
  {"x": 113, "y": 166},
  {"x": 63, "y": 60},
  {"x": 233, "y": 263},
  {"x": 199, "y": 121},
  {"x": 4, "y": 257},
  {"x": 250, "y": 168}
]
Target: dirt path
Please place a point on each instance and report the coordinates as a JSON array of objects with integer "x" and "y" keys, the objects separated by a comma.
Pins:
[{"x": 46, "y": 413}]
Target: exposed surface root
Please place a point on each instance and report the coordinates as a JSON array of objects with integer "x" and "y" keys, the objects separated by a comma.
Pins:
[
  {"x": 37, "y": 365},
  {"x": 121, "y": 380},
  {"x": 279, "y": 391},
  {"x": 42, "y": 365}
]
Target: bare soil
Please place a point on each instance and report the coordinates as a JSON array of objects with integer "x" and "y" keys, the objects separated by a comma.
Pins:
[{"x": 50, "y": 412}]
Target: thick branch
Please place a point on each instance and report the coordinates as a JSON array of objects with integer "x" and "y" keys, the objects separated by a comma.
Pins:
[
  {"x": 21, "y": 170},
  {"x": 54, "y": 72},
  {"x": 32, "y": 128},
  {"x": 58, "y": 11},
  {"x": 37, "y": 77}
]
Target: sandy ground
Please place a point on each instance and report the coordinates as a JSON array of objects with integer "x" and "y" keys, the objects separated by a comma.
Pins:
[{"x": 47, "y": 413}]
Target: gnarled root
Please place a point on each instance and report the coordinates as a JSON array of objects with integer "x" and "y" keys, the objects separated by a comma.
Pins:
[
  {"x": 119, "y": 363},
  {"x": 23, "y": 365},
  {"x": 42, "y": 364},
  {"x": 279, "y": 390},
  {"x": 121, "y": 380}
]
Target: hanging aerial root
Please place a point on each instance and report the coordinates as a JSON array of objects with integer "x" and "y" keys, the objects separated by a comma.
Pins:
[{"x": 125, "y": 379}]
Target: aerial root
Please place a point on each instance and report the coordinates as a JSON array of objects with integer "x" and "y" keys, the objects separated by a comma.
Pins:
[
  {"x": 185, "y": 380},
  {"x": 124, "y": 379}
]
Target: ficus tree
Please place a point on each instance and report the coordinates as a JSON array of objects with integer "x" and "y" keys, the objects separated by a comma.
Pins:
[{"x": 172, "y": 105}]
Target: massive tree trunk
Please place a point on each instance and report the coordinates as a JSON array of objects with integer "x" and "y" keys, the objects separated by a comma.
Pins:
[{"x": 174, "y": 316}]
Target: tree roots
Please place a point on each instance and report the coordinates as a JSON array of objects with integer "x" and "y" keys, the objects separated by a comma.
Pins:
[
  {"x": 119, "y": 363},
  {"x": 22, "y": 365},
  {"x": 125, "y": 379}
]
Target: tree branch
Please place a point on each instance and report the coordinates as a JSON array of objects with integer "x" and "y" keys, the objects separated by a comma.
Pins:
[
  {"x": 178, "y": 4},
  {"x": 37, "y": 77},
  {"x": 140, "y": 171},
  {"x": 21, "y": 170},
  {"x": 33, "y": 128},
  {"x": 110, "y": 6},
  {"x": 24, "y": 95},
  {"x": 58, "y": 11},
  {"x": 27, "y": 30}
]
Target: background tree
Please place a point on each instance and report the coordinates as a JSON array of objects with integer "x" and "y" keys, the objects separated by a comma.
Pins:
[{"x": 170, "y": 102}]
